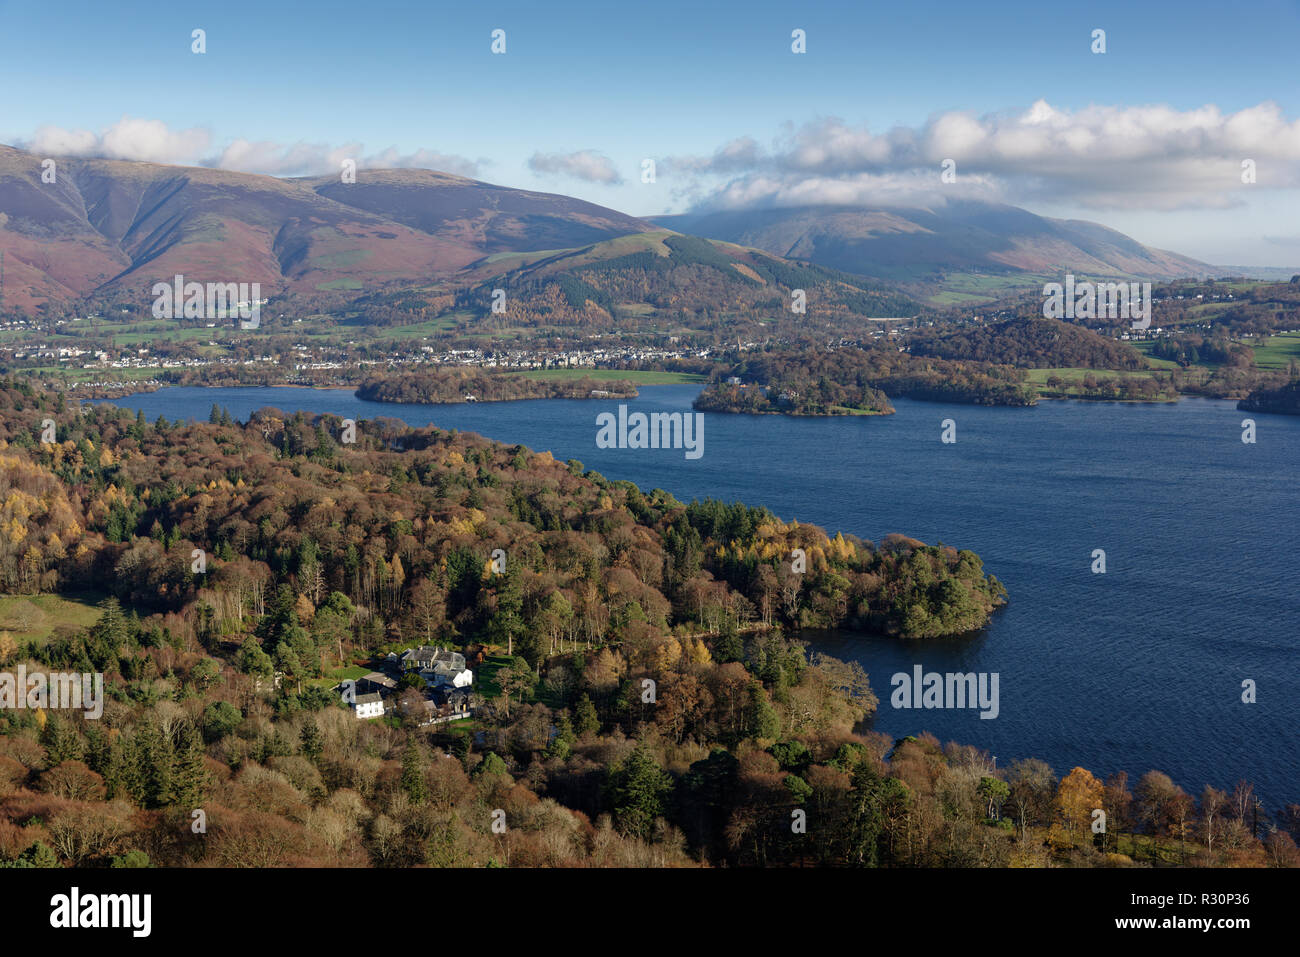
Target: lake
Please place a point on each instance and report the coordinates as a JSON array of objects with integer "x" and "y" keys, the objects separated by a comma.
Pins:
[{"x": 1137, "y": 668}]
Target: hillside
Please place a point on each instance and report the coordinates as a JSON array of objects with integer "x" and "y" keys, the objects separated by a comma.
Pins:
[
  {"x": 121, "y": 226},
  {"x": 925, "y": 246},
  {"x": 116, "y": 227},
  {"x": 666, "y": 274},
  {"x": 489, "y": 219},
  {"x": 1030, "y": 343}
]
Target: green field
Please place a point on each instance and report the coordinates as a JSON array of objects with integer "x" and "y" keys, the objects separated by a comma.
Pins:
[
  {"x": 974, "y": 288},
  {"x": 166, "y": 333},
  {"x": 845, "y": 410},
  {"x": 34, "y": 617},
  {"x": 1278, "y": 351},
  {"x": 136, "y": 330},
  {"x": 1145, "y": 346},
  {"x": 332, "y": 676},
  {"x": 59, "y": 373},
  {"x": 1079, "y": 373},
  {"x": 352, "y": 672},
  {"x": 531, "y": 256},
  {"x": 416, "y": 330},
  {"x": 1073, "y": 378},
  {"x": 485, "y": 676}
]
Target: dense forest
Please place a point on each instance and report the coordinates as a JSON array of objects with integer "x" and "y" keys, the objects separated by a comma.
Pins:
[
  {"x": 824, "y": 398},
  {"x": 642, "y": 696},
  {"x": 442, "y": 384},
  {"x": 1188, "y": 349},
  {"x": 1029, "y": 343},
  {"x": 1284, "y": 400},
  {"x": 852, "y": 379}
]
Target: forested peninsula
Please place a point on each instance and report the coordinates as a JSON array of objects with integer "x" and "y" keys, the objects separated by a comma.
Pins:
[
  {"x": 1284, "y": 400},
  {"x": 856, "y": 381}
]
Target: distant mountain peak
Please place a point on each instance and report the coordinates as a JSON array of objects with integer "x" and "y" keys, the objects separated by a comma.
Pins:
[
  {"x": 106, "y": 224},
  {"x": 923, "y": 244}
]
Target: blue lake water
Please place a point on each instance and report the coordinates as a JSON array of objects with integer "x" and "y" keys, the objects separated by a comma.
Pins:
[{"x": 1138, "y": 668}]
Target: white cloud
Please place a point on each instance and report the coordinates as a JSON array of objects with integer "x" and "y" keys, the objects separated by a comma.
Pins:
[
  {"x": 586, "y": 165},
  {"x": 308, "y": 159},
  {"x": 905, "y": 189},
  {"x": 129, "y": 138},
  {"x": 51, "y": 140},
  {"x": 154, "y": 142},
  {"x": 279, "y": 159},
  {"x": 1141, "y": 157},
  {"x": 424, "y": 159}
]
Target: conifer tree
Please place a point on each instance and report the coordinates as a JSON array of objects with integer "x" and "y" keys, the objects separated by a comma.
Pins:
[
  {"x": 189, "y": 774},
  {"x": 413, "y": 774}
]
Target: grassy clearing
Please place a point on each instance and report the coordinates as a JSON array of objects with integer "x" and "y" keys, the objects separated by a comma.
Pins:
[
  {"x": 956, "y": 299},
  {"x": 136, "y": 330},
  {"x": 59, "y": 373},
  {"x": 1155, "y": 850},
  {"x": 974, "y": 288},
  {"x": 1276, "y": 352},
  {"x": 352, "y": 672},
  {"x": 1072, "y": 379},
  {"x": 1145, "y": 346},
  {"x": 485, "y": 676},
  {"x": 416, "y": 330},
  {"x": 167, "y": 334},
  {"x": 635, "y": 309},
  {"x": 845, "y": 410},
  {"x": 531, "y": 256},
  {"x": 333, "y": 676},
  {"x": 35, "y": 617},
  {"x": 461, "y": 728},
  {"x": 1079, "y": 373}
]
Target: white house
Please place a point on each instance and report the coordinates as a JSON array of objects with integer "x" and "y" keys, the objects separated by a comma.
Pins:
[
  {"x": 369, "y": 706},
  {"x": 440, "y": 667}
]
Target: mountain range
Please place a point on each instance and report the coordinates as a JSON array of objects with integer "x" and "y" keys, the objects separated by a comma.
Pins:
[
  {"x": 93, "y": 226},
  {"x": 112, "y": 224},
  {"x": 909, "y": 245}
]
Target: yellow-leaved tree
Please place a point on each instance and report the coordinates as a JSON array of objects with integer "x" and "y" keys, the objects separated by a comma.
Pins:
[{"x": 1077, "y": 796}]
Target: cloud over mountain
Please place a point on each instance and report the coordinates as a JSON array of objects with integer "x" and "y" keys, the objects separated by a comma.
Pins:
[
  {"x": 130, "y": 138},
  {"x": 1100, "y": 157},
  {"x": 586, "y": 165},
  {"x": 153, "y": 141}
]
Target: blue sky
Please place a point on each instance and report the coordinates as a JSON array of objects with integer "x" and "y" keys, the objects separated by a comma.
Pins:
[{"x": 675, "y": 81}]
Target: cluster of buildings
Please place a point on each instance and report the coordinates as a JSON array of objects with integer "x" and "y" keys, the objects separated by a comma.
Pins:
[
  {"x": 592, "y": 358},
  {"x": 445, "y": 695}
]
